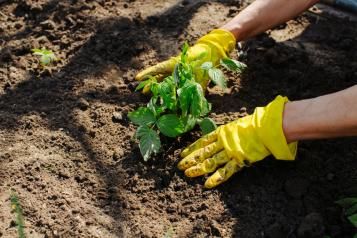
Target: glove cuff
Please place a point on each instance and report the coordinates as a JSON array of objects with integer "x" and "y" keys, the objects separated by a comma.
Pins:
[
  {"x": 223, "y": 40},
  {"x": 269, "y": 126}
]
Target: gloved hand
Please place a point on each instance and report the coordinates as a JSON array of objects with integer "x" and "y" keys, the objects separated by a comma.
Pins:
[
  {"x": 238, "y": 144},
  {"x": 212, "y": 47}
]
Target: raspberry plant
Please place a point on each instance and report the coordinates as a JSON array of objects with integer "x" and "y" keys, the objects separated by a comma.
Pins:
[{"x": 177, "y": 104}]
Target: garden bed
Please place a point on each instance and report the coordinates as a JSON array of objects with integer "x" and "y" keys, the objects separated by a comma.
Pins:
[{"x": 66, "y": 141}]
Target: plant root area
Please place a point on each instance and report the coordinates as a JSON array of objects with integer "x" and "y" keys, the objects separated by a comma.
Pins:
[{"x": 66, "y": 145}]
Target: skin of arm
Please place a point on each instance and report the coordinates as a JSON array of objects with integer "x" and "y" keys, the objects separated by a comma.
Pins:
[
  {"x": 261, "y": 15},
  {"x": 328, "y": 116}
]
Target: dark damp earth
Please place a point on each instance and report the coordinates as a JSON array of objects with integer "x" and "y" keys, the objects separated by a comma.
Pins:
[{"x": 65, "y": 138}]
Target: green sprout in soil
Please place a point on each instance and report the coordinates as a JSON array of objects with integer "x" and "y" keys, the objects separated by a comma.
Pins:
[
  {"x": 350, "y": 210},
  {"x": 169, "y": 233},
  {"x": 16, "y": 207},
  {"x": 177, "y": 104},
  {"x": 46, "y": 57}
]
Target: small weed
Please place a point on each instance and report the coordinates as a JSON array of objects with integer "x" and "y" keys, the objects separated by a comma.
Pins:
[
  {"x": 16, "y": 207},
  {"x": 349, "y": 206},
  {"x": 169, "y": 233},
  {"x": 46, "y": 57},
  {"x": 50, "y": 168}
]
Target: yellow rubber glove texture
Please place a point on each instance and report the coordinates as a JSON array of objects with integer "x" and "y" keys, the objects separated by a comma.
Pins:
[
  {"x": 212, "y": 47},
  {"x": 238, "y": 144}
]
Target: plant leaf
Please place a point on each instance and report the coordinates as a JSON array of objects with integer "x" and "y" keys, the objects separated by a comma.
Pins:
[
  {"x": 217, "y": 77},
  {"x": 152, "y": 105},
  {"x": 196, "y": 104},
  {"x": 206, "y": 107},
  {"x": 233, "y": 65},
  {"x": 192, "y": 100},
  {"x": 154, "y": 88},
  {"x": 353, "y": 219},
  {"x": 15, "y": 205},
  {"x": 46, "y": 56},
  {"x": 167, "y": 91},
  {"x": 170, "y": 125},
  {"x": 351, "y": 210},
  {"x": 149, "y": 142},
  {"x": 347, "y": 202},
  {"x": 182, "y": 73},
  {"x": 207, "y": 125},
  {"x": 199, "y": 105},
  {"x": 176, "y": 74},
  {"x": 38, "y": 51},
  {"x": 154, "y": 108},
  {"x": 189, "y": 122},
  {"x": 185, "y": 48},
  {"x": 142, "y": 116},
  {"x": 169, "y": 233},
  {"x": 142, "y": 84},
  {"x": 206, "y": 65},
  {"x": 45, "y": 59},
  {"x": 185, "y": 97}
]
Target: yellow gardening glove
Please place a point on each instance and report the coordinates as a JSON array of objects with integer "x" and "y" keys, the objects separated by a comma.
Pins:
[
  {"x": 212, "y": 47},
  {"x": 238, "y": 144}
]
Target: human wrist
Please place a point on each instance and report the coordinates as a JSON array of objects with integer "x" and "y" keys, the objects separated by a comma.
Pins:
[
  {"x": 290, "y": 136},
  {"x": 220, "y": 42},
  {"x": 328, "y": 116},
  {"x": 233, "y": 29},
  {"x": 296, "y": 122},
  {"x": 268, "y": 122}
]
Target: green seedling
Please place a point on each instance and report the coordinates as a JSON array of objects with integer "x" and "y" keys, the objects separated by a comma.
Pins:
[
  {"x": 169, "y": 233},
  {"x": 349, "y": 206},
  {"x": 178, "y": 103},
  {"x": 46, "y": 57},
  {"x": 16, "y": 207}
]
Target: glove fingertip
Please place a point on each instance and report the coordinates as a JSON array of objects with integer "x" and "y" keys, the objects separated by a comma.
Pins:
[
  {"x": 182, "y": 165},
  {"x": 184, "y": 153},
  {"x": 146, "y": 89},
  {"x": 195, "y": 171},
  {"x": 140, "y": 76},
  {"x": 190, "y": 173},
  {"x": 210, "y": 184}
]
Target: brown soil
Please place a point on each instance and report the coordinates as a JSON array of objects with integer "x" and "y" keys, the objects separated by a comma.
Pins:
[{"x": 74, "y": 166}]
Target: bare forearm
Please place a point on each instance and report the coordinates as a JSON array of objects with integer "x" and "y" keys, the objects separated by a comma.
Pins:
[
  {"x": 261, "y": 15},
  {"x": 328, "y": 116}
]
